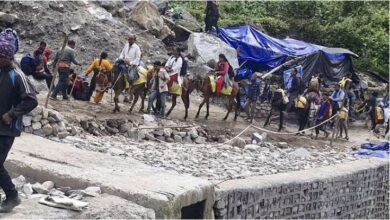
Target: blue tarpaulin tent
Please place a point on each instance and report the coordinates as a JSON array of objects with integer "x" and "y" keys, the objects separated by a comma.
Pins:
[{"x": 262, "y": 52}]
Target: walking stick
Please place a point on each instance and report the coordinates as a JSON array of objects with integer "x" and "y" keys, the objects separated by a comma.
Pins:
[
  {"x": 74, "y": 83},
  {"x": 56, "y": 69}
]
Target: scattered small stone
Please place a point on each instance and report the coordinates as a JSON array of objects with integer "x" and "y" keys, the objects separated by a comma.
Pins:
[
  {"x": 36, "y": 125},
  {"x": 62, "y": 134},
  {"x": 37, "y": 187},
  {"x": 19, "y": 182},
  {"x": 47, "y": 130},
  {"x": 177, "y": 139},
  {"x": 252, "y": 147},
  {"x": 27, "y": 189},
  {"x": 282, "y": 144},
  {"x": 200, "y": 140},
  {"x": 238, "y": 142},
  {"x": 300, "y": 153},
  {"x": 49, "y": 185},
  {"x": 26, "y": 120}
]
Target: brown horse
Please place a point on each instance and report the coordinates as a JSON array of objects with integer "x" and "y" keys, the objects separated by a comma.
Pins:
[
  {"x": 118, "y": 80},
  {"x": 187, "y": 88},
  {"x": 204, "y": 85}
]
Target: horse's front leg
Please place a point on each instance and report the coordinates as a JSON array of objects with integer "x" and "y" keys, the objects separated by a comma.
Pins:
[
  {"x": 116, "y": 101},
  {"x": 200, "y": 106},
  {"x": 230, "y": 107},
  {"x": 134, "y": 102},
  {"x": 172, "y": 106}
]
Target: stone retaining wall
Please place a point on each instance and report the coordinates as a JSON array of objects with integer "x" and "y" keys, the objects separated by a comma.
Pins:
[{"x": 358, "y": 189}]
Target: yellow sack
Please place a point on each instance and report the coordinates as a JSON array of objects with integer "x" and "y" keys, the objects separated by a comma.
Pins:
[
  {"x": 343, "y": 113},
  {"x": 226, "y": 90},
  {"x": 213, "y": 83},
  {"x": 300, "y": 102},
  {"x": 379, "y": 113},
  {"x": 175, "y": 89},
  {"x": 98, "y": 97}
]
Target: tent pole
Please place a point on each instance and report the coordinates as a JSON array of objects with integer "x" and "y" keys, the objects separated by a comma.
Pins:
[{"x": 282, "y": 65}]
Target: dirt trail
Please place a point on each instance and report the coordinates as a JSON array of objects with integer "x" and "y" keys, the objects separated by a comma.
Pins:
[{"x": 75, "y": 110}]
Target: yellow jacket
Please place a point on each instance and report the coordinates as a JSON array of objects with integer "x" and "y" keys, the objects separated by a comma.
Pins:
[{"x": 105, "y": 65}]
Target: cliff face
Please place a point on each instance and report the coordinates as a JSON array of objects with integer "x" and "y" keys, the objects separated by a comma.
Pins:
[{"x": 92, "y": 27}]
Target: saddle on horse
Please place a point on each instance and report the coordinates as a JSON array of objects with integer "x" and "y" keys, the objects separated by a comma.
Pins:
[
  {"x": 130, "y": 72},
  {"x": 226, "y": 88}
]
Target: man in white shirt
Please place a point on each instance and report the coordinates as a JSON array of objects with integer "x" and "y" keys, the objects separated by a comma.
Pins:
[
  {"x": 174, "y": 64},
  {"x": 131, "y": 53}
]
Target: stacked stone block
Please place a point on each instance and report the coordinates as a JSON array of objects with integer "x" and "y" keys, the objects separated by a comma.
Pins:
[{"x": 359, "y": 194}]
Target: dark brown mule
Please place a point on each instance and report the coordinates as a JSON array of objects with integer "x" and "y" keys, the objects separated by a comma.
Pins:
[
  {"x": 117, "y": 78},
  {"x": 204, "y": 85},
  {"x": 186, "y": 90}
]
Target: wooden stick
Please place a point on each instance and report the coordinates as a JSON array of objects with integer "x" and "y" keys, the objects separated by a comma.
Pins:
[{"x": 56, "y": 69}]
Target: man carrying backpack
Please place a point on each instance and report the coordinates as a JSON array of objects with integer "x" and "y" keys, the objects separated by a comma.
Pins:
[
  {"x": 64, "y": 59},
  {"x": 173, "y": 67},
  {"x": 295, "y": 88},
  {"x": 17, "y": 98}
]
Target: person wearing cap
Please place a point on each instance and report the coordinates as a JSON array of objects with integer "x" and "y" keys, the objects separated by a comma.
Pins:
[
  {"x": 64, "y": 60},
  {"x": 17, "y": 96}
]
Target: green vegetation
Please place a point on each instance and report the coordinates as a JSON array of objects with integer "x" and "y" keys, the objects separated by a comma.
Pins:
[{"x": 362, "y": 27}]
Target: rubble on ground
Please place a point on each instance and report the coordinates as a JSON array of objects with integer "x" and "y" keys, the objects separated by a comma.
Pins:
[
  {"x": 216, "y": 161},
  {"x": 46, "y": 122}
]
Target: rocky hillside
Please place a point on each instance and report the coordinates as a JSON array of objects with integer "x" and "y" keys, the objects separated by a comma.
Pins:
[{"x": 91, "y": 24}]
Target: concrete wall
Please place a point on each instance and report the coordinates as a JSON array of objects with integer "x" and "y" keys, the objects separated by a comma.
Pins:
[{"x": 358, "y": 189}]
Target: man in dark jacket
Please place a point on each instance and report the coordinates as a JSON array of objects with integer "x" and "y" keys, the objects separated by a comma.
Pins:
[
  {"x": 17, "y": 98},
  {"x": 294, "y": 89},
  {"x": 212, "y": 16}
]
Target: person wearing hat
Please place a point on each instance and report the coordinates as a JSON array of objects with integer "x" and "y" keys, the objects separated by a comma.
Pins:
[{"x": 17, "y": 96}]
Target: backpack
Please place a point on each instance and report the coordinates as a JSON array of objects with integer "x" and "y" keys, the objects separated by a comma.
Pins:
[
  {"x": 184, "y": 67},
  {"x": 8, "y": 40},
  {"x": 28, "y": 64}
]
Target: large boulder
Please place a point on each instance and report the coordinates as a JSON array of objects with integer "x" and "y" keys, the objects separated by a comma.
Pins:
[
  {"x": 205, "y": 47},
  {"x": 146, "y": 15},
  {"x": 188, "y": 21}
]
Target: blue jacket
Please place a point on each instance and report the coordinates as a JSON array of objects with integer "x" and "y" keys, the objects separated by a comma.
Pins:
[{"x": 324, "y": 108}]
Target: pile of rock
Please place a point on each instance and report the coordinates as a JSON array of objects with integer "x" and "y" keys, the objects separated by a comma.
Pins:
[
  {"x": 106, "y": 127},
  {"x": 46, "y": 122},
  {"x": 185, "y": 136}
]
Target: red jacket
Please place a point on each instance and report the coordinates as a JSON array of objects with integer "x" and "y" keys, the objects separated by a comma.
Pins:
[{"x": 222, "y": 68}]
